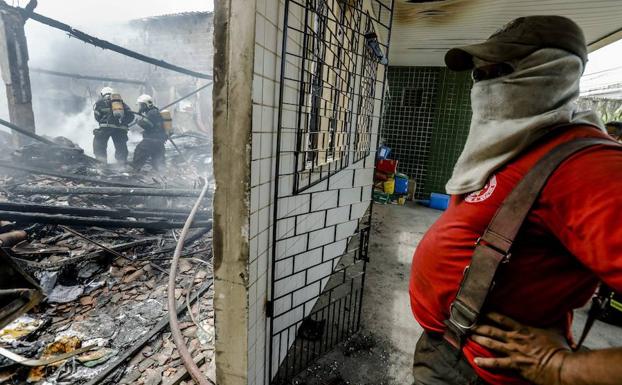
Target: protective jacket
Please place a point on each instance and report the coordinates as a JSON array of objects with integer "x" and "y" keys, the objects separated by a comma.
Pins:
[
  {"x": 104, "y": 116},
  {"x": 152, "y": 125}
]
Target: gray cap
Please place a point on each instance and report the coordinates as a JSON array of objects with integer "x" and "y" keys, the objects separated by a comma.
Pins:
[{"x": 519, "y": 38}]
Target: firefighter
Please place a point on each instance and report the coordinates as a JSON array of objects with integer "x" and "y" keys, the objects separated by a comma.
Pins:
[
  {"x": 525, "y": 82},
  {"x": 151, "y": 148},
  {"x": 113, "y": 116}
]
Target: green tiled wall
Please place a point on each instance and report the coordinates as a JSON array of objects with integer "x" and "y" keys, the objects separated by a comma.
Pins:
[
  {"x": 452, "y": 117},
  {"x": 427, "y": 137}
]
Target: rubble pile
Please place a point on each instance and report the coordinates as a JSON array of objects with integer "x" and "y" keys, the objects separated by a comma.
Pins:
[{"x": 102, "y": 261}]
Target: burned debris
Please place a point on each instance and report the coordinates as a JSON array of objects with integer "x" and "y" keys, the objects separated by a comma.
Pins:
[{"x": 99, "y": 258}]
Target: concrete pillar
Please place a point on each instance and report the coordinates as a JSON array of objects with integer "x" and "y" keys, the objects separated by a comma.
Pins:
[
  {"x": 14, "y": 70},
  {"x": 234, "y": 40}
]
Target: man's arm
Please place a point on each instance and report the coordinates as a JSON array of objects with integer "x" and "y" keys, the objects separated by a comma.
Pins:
[{"x": 543, "y": 356}]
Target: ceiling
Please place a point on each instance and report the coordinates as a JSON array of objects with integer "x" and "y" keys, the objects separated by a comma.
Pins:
[{"x": 423, "y": 31}]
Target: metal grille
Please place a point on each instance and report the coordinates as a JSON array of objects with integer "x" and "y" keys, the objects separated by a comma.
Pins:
[{"x": 332, "y": 80}]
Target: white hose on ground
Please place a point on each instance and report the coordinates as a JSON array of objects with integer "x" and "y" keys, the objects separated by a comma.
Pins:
[{"x": 178, "y": 338}]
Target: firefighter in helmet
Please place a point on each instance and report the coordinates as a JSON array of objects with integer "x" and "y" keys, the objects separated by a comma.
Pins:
[
  {"x": 151, "y": 148},
  {"x": 113, "y": 116}
]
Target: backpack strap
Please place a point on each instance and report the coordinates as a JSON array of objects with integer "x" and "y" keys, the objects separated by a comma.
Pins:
[{"x": 494, "y": 246}]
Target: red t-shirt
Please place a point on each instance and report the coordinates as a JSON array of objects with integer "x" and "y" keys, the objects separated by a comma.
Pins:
[{"x": 571, "y": 239}]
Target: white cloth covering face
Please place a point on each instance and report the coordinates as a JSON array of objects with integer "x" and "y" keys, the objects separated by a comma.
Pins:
[{"x": 513, "y": 111}]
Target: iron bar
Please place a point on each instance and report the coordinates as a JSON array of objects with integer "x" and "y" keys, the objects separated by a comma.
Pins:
[
  {"x": 86, "y": 77},
  {"x": 97, "y": 222},
  {"x": 81, "y": 190},
  {"x": 108, "y": 45},
  {"x": 27, "y": 133},
  {"x": 138, "y": 345},
  {"x": 79, "y": 178}
]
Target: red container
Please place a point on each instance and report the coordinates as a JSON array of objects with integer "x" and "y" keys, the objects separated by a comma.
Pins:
[{"x": 388, "y": 166}]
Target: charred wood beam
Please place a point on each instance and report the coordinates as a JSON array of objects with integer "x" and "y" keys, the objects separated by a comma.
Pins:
[
  {"x": 86, "y": 77},
  {"x": 80, "y": 190},
  {"x": 79, "y": 178},
  {"x": 71, "y": 220},
  {"x": 139, "y": 344},
  {"x": 80, "y": 258},
  {"x": 110, "y": 46},
  {"x": 27, "y": 133},
  {"x": 91, "y": 212}
]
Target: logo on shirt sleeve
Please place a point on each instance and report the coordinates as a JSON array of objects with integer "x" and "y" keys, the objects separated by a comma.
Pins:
[{"x": 484, "y": 193}]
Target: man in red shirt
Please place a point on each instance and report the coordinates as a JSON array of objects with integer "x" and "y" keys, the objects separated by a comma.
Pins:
[{"x": 526, "y": 79}]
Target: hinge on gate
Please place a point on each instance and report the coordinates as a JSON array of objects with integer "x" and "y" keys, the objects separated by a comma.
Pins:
[{"x": 269, "y": 308}]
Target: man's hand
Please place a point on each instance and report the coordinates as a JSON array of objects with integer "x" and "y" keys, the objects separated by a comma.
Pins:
[{"x": 537, "y": 354}]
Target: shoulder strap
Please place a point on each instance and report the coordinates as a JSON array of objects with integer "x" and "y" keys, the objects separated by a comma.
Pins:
[{"x": 494, "y": 246}]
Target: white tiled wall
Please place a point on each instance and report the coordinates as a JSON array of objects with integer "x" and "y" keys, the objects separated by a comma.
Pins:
[{"x": 323, "y": 233}]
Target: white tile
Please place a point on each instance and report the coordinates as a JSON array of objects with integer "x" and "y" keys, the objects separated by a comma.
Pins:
[
  {"x": 269, "y": 87},
  {"x": 271, "y": 36},
  {"x": 364, "y": 177},
  {"x": 260, "y": 30},
  {"x": 286, "y": 228},
  {"x": 284, "y": 268},
  {"x": 286, "y": 185},
  {"x": 345, "y": 230},
  {"x": 253, "y": 231},
  {"x": 342, "y": 179},
  {"x": 306, "y": 260},
  {"x": 307, "y": 293},
  {"x": 255, "y": 147},
  {"x": 283, "y": 322},
  {"x": 294, "y": 205},
  {"x": 262, "y": 288},
  {"x": 265, "y": 170},
  {"x": 263, "y": 219},
  {"x": 282, "y": 305},
  {"x": 265, "y": 195},
  {"x": 267, "y": 119},
  {"x": 267, "y": 140},
  {"x": 321, "y": 237},
  {"x": 367, "y": 193},
  {"x": 337, "y": 215},
  {"x": 291, "y": 246},
  {"x": 257, "y": 89},
  {"x": 272, "y": 12},
  {"x": 269, "y": 65},
  {"x": 323, "y": 200},
  {"x": 252, "y": 271},
  {"x": 253, "y": 251},
  {"x": 254, "y": 199},
  {"x": 359, "y": 209},
  {"x": 349, "y": 196},
  {"x": 319, "y": 272},
  {"x": 334, "y": 250},
  {"x": 254, "y": 173},
  {"x": 258, "y": 59},
  {"x": 310, "y": 222},
  {"x": 289, "y": 284},
  {"x": 263, "y": 246},
  {"x": 256, "y": 117}
]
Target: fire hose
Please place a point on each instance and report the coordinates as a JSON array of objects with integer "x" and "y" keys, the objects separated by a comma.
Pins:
[{"x": 178, "y": 338}]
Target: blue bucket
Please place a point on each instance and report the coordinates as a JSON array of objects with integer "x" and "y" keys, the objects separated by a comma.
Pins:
[
  {"x": 439, "y": 201},
  {"x": 401, "y": 185}
]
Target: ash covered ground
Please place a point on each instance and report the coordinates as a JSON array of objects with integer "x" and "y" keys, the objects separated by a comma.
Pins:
[{"x": 102, "y": 261}]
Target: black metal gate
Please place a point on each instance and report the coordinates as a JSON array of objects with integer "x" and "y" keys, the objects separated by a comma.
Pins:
[{"x": 332, "y": 78}]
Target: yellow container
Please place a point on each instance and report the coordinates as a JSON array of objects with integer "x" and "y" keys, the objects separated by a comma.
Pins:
[
  {"x": 167, "y": 121},
  {"x": 389, "y": 186},
  {"x": 117, "y": 106},
  {"x": 401, "y": 200}
]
